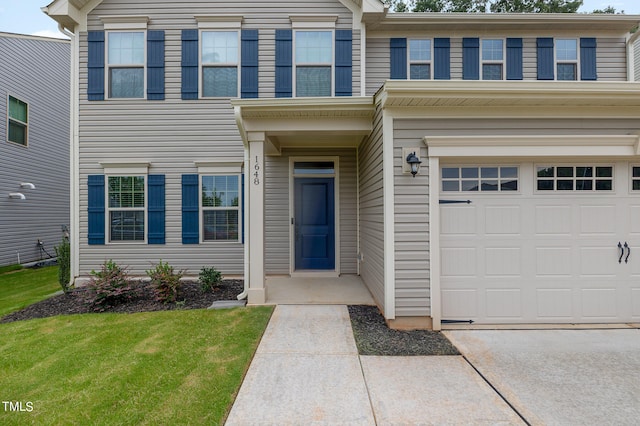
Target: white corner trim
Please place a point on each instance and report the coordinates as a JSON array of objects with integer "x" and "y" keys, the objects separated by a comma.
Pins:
[
  {"x": 128, "y": 168},
  {"x": 388, "y": 217},
  {"x": 209, "y": 22},
  {"x": 434, "y": 242},
  {"x": 219, "y": 167},
  {"x": 313, "y": 21},
  {"x": 125, "y": 22}
]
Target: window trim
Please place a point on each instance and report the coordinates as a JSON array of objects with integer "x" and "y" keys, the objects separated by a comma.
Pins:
[
  {"x": 201, "y": 64},
  {"x": 427, "y": 62},
  {"x": 109, "y": 209},
  {"x": 502, "y": 62},
  {"x": 108, "y": 66},
  {"x": 9, "y": 119},
  {"x": 557, "y": 62},
  {"x": 205, "y": 171},
  {"x": 294, "y": 67}
]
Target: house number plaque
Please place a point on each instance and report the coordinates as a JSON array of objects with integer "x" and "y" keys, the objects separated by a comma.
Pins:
[{"x": 256, "y": 173}]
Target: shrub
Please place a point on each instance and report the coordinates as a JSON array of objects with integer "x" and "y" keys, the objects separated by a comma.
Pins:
[
  {"x": 63, "y": 252},
  {"x": 110, "y": 286},
  {"x": 166, "y": 281},
  {"x": 209, "y": 278}
]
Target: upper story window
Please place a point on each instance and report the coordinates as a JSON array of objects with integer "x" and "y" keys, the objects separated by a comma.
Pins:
[
  {"x": 492, "y": 59},
  {"x": 419, "y": 59},
  {"x": 18, "y": 119},
  {"x": 220, "y": 59},
  {"x": 313, "y": 63},
  {"x": 566, "y": 59},
  {"x": 126, "y": 64}
]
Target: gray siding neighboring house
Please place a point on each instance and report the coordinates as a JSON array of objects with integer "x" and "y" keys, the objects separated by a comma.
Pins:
[{"x": 34, "y": 79}]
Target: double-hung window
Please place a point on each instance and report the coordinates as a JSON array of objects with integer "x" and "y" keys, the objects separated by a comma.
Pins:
[
  {"x": 126, "y": 64},
  {"x": 126, "y": 204},
  {"x": 219, "y": 59},
  {"x": 419, "y": 59},
  {"x": 220, "y": 202},
  {"x": 314, "y": 63},
  {"x": 492, "y": 59},
  {"x": 566, "y": 59},
  {"x": 18, "y": 119}
]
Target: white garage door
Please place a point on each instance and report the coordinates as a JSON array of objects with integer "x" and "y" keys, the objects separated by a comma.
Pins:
[{"x": 548, "y": 242}]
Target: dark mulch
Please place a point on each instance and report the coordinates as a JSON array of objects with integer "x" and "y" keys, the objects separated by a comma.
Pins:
[
  {"x": 190, "y": 296},
  {"x": 374, "y": 337}
]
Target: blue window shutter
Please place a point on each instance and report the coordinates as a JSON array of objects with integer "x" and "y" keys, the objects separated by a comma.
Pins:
[
  {"x": 588, "y": 62},
  {"x": 155, "y": 65},
  {"x": 95, "y": 90},
  {"x": 344, "y": 77},
  {"x": 398, "y": 51},
  {"x": 156, "y": 197},
  {"x": 545, "y": 59},
  {"x": 471, "y": 59},
  {"x": 284, "y": 64},
  {"x": 96, "y": 209},
  {"x": 242, "y": 202},
  {"x": 190, "y": 210},
  {"x": 189, "y": 64},
  {"x": 514, "y": 59},
  {"x": 441, "y": 59},
  {"x": 249, "y": 64}
]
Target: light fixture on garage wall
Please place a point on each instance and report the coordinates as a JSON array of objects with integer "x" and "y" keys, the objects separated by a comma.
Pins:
[{"x": 414, "y": 162}]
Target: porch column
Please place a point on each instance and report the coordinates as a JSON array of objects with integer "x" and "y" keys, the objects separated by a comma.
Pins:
[{"x": 256, "y": 294}]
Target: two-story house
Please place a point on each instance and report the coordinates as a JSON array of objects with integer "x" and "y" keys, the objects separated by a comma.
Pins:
[
  {"x": 479, "y": 167},
  {"x": 34, "y": 150}
]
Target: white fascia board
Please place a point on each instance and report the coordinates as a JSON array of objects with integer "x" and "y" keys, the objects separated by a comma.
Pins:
[
  {"x": 218, "y": 22},
  {"x": 388, "y": 183},
  {"x": 125, "y": 167}
]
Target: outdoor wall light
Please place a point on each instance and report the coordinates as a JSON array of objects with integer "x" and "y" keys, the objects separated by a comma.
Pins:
[
  {"x": 17, "y": 196},
  {"x": 414, "y": 162},
  {"x": 27, "y": 185}
]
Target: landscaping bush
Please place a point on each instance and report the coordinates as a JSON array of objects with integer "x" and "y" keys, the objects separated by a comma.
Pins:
[
  {"x": 63, "y": 252},
  {"x": 111, "y": 286},
  {"x": 209, "y": 278},
  {"x": 165, "y": 281}
]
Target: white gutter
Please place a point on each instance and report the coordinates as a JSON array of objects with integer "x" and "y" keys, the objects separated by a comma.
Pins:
[{"x": 631, "y": 69}]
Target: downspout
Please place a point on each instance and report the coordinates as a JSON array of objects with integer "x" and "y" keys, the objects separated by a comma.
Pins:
[
  {"x": 74, "y": 175},
  {"x": 631, "y": 39}
]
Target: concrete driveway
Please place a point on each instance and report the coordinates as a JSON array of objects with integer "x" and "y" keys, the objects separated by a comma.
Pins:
[{"x": 560, "y": 377}]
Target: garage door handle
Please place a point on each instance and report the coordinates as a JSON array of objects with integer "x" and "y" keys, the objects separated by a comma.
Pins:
[
  {"x": 621, "y": 252},
  {"x": 626, "y": 259}
]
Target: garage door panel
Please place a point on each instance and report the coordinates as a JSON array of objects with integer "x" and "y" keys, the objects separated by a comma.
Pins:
[
  {"x": 503, "y": 303},
  {"x": 634, "y": 220},
  {"x": 458, "y": 220},
  {"x": 460, "y": 303},
  {"x": 503, "y": 262},
  {"x": 458, "y": 262},
  {"x": 553, "y": 261},
  {"x": 502, "y": 220},
  {"x": 599, "y": 303},
  {"x": 554, "y": 304},
  {"x": 599, "y": 261},
  {"x": 635, "y": 303},
  {"x": 553, "y": 220},
  {"x": 598, "y": 220}
]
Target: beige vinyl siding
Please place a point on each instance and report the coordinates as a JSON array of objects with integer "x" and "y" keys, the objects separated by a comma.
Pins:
[
  {"x": 611, "y": 59},
  {"x": 529, "y": 59},
  {"x": 34, "y": 70},
  {"x": 372, "y": 211},
  {"x": 277, "y": 209},
  {"x": 378, "y": 64},
  {"x": 411, "y": 205}
]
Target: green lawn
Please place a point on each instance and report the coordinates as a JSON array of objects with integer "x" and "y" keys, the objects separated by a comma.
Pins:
[
  {"x": 171, "y": 367},
  {"x": 26, "y": 286}
]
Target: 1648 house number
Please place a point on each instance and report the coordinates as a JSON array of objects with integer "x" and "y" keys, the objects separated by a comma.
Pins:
[{"x": 256, "y": 172}]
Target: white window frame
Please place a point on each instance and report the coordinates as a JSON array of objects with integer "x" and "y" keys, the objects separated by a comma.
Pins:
[
  {"x": 555, "y": 178},
  {"x": 632, "y": 178},
  {"x": 108, "y": 67},
  {"x": 493, "y": 62},
  {"x": 216, "y": 168},
  {"x": 421, "y": 62},
  {"x": 313, "y": 23},
  {"x": 9, "y": 119},
  {"x": 202, "y": 65},
  {"x": 110, "y": 209},
  {"x": 557, "y": 62},
  {"x": 479, "y": 179}
]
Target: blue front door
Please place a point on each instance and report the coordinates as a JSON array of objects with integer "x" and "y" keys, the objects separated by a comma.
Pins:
[{"x": 315, "y": 239}]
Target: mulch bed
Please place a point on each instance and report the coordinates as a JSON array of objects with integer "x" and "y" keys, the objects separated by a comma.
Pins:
[
  {"x": 374, "y": 337},
  {"x": 190, "y": 296}
]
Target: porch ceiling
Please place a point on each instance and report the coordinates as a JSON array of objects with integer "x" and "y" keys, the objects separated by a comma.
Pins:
[{"x": 306, "y": 122}]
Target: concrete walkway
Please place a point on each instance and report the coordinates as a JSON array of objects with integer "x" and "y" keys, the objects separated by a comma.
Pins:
[{"x": 307, "y": 371}]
